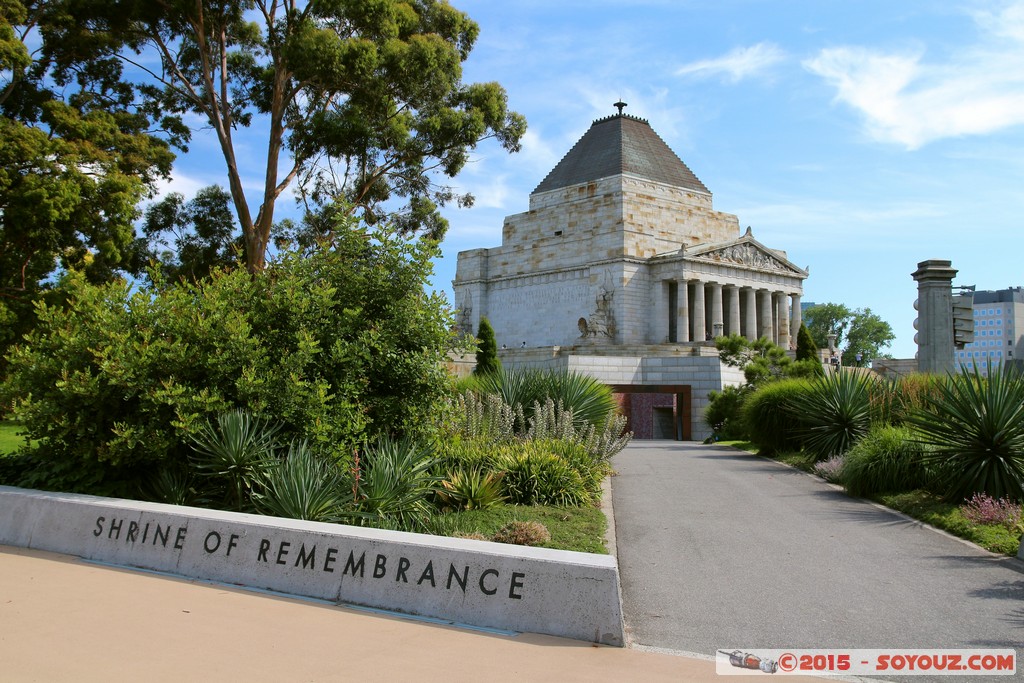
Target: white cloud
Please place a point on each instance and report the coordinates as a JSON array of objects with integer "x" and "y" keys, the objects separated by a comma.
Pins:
[
  {"x": 492, "y": 194},
  {"x": 828, "y": 223},
  {"x": 183, "y": 184},
  {"x": 1008, "y": 22},
  {"x": 908, "y": 101},
  {"x": 741, "y": 63}
]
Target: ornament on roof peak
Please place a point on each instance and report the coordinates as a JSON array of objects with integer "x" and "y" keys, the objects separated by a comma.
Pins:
[{"x": 620, "y": 105}]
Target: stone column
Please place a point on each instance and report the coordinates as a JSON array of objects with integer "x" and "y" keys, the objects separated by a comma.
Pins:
[
  {"x": 765, "y": 328},
  {"x": 785, "y": 341},
  {"x": 734, "y": 310},
  {"x": 683, "y": 312},
  {"x": 796, "y": 319},
  {"x": 751, "y": 321},
  {"x": 661, "y": 312},
  {"x": 934, "y": 316},
  {"x": 717, "y": 323},
  {"x": 699, "y": 323}
]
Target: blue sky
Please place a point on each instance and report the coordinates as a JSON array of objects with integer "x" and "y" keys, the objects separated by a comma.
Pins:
[{"x": 859, "y": 137}]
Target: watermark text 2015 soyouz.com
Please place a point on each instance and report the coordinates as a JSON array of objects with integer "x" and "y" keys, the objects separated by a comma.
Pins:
[{"x": 908, "y": 662}]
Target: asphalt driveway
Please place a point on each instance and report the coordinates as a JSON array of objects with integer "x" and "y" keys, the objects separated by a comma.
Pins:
[{"x": 722, "y": 549}]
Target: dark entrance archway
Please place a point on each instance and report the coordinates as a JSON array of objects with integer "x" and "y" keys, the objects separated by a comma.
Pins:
[{"x": 657, "y": 411}]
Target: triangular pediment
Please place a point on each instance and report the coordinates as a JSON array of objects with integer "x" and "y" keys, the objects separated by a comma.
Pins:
[{"x": 746, "y": 252}]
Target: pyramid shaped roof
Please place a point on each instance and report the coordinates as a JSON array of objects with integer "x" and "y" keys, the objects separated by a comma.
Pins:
[{"x": 616, "y": 145}]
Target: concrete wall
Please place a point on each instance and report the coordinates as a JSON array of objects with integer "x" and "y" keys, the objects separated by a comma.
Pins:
[{"x": 575, "y": 595}]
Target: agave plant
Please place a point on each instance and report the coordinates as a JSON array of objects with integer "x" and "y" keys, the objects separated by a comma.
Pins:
[
  {"x": 395, "y": 484},
  {"x": 976, "y": 427},
  {"x": 303, "y": 485},
  {"x": 172, "y": 485},
  {"x": 236, "y": 454},
  {"x": 471, "y": 489},
  {"x": 834, "y": 413}
]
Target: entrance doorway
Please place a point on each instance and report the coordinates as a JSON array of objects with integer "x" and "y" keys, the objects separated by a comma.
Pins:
[{"x": 656, "y": 412}]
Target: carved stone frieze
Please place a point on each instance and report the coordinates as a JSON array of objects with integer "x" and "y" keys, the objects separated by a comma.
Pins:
[{"x": 744, "y": 254}]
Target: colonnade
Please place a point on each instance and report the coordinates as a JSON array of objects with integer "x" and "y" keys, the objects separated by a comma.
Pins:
[{"x": 700, "y": 311}]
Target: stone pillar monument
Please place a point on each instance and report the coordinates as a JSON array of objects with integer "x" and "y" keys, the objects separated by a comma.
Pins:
[{"x": 934, "y": 315}]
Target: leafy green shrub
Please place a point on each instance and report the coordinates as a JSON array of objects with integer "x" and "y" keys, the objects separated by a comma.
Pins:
[
  {"x": 304, "y": 485},
  {"x": 471, "y": 489},
  {"x": 724, "y": 413},
  {"x": 339, "y": 345},
  {"x": 770, "y": 422},
  {"x": 887, "y": 460},
  {"x": 976, "y": 428},
  {"x": 522, "y": 533},
  {"x": 834, "y": 412}
]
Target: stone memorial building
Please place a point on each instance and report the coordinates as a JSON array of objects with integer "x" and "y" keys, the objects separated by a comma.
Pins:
[{"x": 622, "y": 269}]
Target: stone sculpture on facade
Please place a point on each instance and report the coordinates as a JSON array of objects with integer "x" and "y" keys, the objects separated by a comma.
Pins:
[
  {"x": 464, "y": 323},
  {"x": 601, "y": 322}
]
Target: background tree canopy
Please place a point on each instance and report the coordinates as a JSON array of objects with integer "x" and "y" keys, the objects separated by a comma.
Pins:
[
  {"x": 857, "y": 331},
  {"x": 75, "y": 160},
  {"x": 364, "y": 96},
  {"x": 361, "y": 104}
]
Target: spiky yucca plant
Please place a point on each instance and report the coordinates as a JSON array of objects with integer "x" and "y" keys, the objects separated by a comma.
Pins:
[
  {"x": 396, "y": 485},
  {"x": 303, "y": 485},
  {"x": 834, "y": 413},
  {"x": 975, "y": 425},
  {"x": 235, "y": 454}
]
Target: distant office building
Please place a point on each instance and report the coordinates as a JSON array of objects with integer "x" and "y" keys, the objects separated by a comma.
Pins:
[{"x": 998, "y": 330}]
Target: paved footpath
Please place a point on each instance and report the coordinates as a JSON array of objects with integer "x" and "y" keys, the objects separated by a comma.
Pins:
[
  {"x": 63, "y": 619},
  {"x": 721, "y": 549}
]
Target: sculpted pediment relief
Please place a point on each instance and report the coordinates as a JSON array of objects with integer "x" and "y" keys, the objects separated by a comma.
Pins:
[{"x": 746, "y": 253}]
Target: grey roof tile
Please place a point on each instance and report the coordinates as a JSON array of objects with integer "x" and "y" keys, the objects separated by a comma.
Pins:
[{"x": 620, "y": 144}]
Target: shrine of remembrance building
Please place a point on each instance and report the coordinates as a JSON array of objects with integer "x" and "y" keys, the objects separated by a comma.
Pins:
[{"x": 623, "y": 270}]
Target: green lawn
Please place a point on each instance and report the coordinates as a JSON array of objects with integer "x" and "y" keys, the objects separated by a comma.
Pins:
[
  {"x": 930, "y": 509},
  {"x": 11, "y": 438},
  {"x": 581, "y": 529}
]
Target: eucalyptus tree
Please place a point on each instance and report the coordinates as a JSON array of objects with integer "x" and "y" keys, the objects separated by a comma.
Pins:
[
  {"x": 359, "y": 101},
  {"x": 76, "y": 158}
]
